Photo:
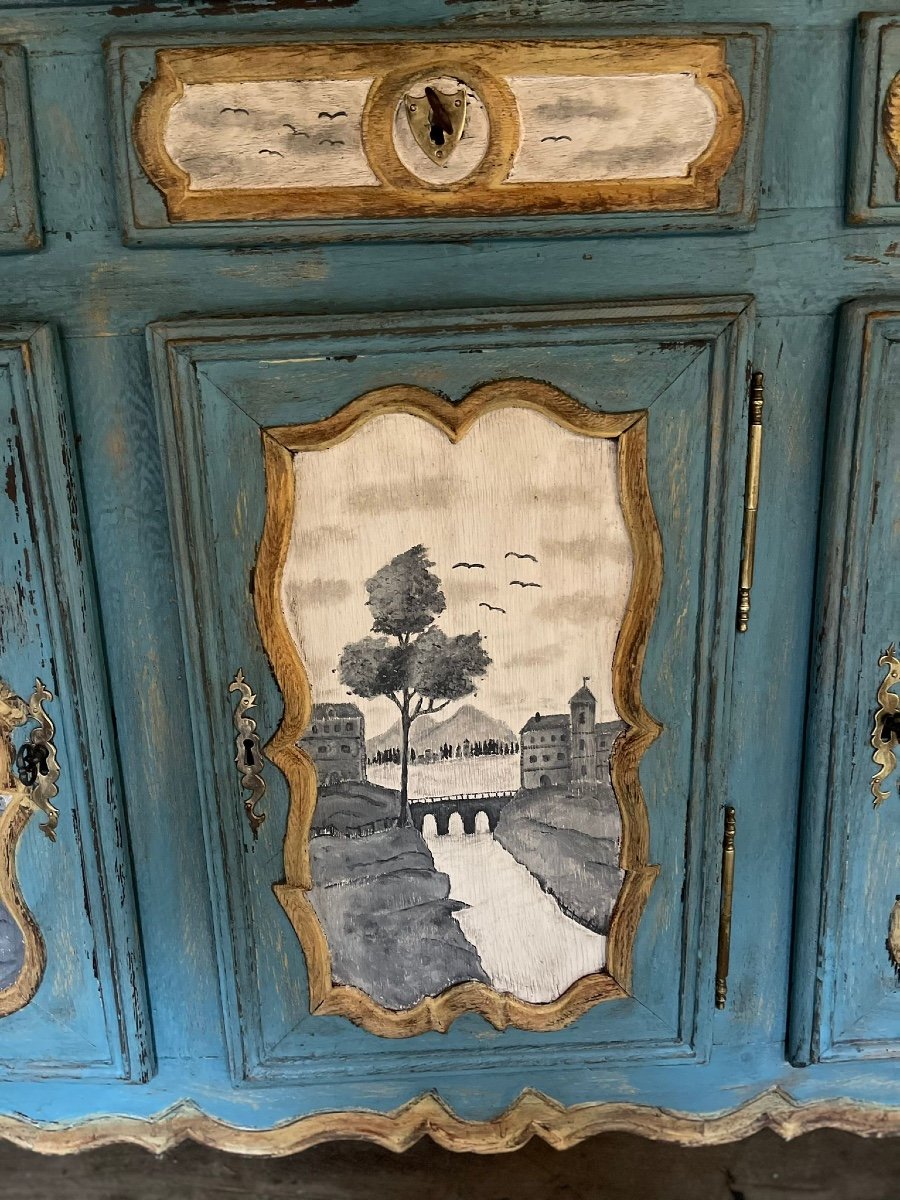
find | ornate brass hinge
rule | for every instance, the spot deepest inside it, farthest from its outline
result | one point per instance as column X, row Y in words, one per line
column 751, row 498
column 725, row 909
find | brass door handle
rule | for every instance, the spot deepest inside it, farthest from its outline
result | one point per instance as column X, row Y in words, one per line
column 248, row 756
column 886, row 732
column 29, row 776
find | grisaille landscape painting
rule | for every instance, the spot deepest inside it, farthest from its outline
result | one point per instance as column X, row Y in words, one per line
column 456, row 609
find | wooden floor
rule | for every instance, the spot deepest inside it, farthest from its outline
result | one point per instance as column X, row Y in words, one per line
column 823, row 1166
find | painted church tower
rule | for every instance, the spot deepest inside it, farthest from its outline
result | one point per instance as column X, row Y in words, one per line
column 583, row 710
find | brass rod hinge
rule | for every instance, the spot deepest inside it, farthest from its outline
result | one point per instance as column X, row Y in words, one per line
column 751, row 498
column 725, row 909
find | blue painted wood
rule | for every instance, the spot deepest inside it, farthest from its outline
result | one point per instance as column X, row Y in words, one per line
column 846, row 1000
column 90, row 1013
column 20, row 224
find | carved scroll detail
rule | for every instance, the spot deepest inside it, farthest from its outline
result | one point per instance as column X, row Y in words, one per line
column 886, row 732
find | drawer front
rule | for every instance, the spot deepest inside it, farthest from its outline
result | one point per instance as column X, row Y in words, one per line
column 71, row 985
column 402, row 544
column 847, row 1004
column 337, row 140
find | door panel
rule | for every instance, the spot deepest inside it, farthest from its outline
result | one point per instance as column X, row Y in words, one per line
column 71, row 988
column 236, row 397
column 846, row 999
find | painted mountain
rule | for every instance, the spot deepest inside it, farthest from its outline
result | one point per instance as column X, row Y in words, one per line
column 467, row 722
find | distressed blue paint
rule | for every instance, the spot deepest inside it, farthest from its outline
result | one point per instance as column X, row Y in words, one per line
column 800, row 263
column 89, row 1015
column 847, row 1003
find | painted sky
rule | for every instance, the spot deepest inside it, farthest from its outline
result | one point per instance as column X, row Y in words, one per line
column 516, row 482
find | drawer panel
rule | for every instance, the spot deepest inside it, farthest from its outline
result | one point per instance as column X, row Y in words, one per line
column 526, row 498
column 449, row 135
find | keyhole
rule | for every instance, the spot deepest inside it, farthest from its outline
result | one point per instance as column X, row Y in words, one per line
column 437, row 135
column 249, row 756
column 32, row 761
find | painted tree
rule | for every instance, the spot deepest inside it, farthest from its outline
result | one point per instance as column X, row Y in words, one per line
column 412, row 662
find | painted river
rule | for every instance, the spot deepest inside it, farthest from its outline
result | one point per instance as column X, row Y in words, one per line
column 526, row 944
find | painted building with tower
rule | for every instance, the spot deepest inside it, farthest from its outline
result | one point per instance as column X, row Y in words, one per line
column 336, row 742
column 561, row 748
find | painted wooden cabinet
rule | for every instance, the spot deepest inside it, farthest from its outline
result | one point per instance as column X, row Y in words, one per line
column 449, row 573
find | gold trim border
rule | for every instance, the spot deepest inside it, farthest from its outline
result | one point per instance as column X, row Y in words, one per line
column 455, row 420
column 532, row 1114
column 12, row 825
column 486, row 193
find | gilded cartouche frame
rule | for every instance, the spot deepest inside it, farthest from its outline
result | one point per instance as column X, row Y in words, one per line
column 484, row 64
column 455, row 420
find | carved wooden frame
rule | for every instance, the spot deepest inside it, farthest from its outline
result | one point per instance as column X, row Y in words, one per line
column 500, row 1009
column 532, row 1114
column 483, row 193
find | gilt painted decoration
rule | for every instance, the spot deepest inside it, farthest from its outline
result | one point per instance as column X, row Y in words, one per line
column 455, row 599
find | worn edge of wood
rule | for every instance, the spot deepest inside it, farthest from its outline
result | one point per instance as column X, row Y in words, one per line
column 454, row 420
column 532, row 1114
column 485, row 192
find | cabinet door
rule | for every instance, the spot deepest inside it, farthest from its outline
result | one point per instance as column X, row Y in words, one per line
column 847, row 1002
column 71, row 985
column 403, row 542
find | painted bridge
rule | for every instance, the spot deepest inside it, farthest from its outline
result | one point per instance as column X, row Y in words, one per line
column 468, row 806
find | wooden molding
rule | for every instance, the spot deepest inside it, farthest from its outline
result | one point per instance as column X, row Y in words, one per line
column 454, row 420
column 531, row 1115
column 487, row 67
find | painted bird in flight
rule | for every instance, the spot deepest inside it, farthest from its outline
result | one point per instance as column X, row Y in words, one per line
column 519, row 583
column 492, row 607
column 470, row 566
column 516, row 554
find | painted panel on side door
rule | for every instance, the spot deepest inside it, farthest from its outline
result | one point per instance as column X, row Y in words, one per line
column 72, row 985
column 845, row 993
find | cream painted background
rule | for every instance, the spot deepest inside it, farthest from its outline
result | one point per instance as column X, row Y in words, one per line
column 516, row 481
